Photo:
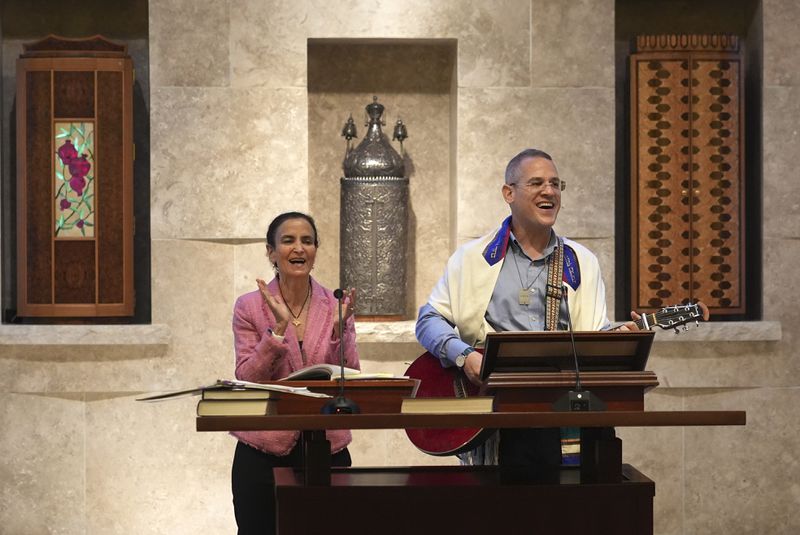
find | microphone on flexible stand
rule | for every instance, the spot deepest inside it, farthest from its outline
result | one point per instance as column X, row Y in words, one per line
column 340, row 404
column 576, row 399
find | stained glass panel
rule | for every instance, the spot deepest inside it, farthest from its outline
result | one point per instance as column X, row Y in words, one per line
column 74, row 169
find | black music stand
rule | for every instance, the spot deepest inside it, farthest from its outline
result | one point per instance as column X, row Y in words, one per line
column 551, row 351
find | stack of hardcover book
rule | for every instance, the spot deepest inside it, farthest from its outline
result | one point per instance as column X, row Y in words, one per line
column 246, row 402
column 237, row 398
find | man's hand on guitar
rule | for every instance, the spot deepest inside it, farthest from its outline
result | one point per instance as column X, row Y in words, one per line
column 472, row 368
column 630, row 325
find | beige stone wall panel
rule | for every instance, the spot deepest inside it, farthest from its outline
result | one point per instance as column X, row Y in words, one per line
column 42, row 464
column 572, row 43
column 189, row 43
column 131, row 489
column 658, row 453
column 226, row 159
column 781, row 140
column 721, row 364
column 743, row 479
column 781, row 53
column 781, row 278
column 574, row 125
column 268, row 39
column 193, row 292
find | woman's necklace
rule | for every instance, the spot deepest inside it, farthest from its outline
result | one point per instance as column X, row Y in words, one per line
column 296, row 321
column 525, row 292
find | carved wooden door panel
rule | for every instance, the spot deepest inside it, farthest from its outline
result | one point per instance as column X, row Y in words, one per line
column 74, row 179
column 687, row 172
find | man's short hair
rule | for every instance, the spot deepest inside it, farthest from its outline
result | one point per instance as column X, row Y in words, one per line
column 512, row 169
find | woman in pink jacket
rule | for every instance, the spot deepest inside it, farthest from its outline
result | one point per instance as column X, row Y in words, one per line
column 287, row 324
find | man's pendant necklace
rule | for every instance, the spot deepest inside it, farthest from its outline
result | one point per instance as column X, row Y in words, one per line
column 525, row 296
column 525, row 292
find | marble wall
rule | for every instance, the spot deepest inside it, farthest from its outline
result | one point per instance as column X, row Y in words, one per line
column 231, row 109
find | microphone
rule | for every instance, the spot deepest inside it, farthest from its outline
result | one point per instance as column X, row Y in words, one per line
column 576, row 399
column 340, row 404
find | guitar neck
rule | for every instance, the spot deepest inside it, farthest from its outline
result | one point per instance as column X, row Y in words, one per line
column 647, row 323
column 651, row 320
column 672, row 317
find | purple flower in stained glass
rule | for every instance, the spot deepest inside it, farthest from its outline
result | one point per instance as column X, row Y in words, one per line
column 77, row 183
column 67, row 152
column 79, row 224
column 79, row 166
column 65, row 204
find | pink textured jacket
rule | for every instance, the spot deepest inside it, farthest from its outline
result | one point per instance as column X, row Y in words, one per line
column 260, row 357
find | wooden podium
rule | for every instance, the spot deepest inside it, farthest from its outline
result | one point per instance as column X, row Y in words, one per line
column 604, row 496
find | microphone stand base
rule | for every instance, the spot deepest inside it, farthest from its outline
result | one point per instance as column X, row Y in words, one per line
column 577, row 401
column 341, row 405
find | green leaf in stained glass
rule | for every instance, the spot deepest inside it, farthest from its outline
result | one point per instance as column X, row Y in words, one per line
column 60, row 222
column 85, row 224
column 83, row 231
column 62, row 134
column 59, row 175
column 80, row 130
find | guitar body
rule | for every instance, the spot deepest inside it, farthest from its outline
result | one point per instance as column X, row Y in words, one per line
column 439, row 382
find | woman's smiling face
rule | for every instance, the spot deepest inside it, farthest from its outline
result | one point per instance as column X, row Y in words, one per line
column 294, row 251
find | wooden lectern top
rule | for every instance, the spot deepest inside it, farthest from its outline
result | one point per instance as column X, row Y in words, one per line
column 495, row 420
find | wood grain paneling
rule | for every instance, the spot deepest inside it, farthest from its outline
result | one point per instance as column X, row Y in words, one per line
column 687, row 178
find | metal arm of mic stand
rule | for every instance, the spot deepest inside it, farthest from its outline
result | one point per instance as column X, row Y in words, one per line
column 340, row 404
column 576, row 399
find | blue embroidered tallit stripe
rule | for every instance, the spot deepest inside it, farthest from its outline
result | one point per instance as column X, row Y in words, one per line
column 572, row 269
column 496, row 250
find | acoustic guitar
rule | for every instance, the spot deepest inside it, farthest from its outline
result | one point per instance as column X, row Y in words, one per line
column 439, row 382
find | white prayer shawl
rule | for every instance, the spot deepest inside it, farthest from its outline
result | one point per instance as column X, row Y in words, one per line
column 463, row 293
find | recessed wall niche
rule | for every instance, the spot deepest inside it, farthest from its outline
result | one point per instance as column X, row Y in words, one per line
column 650, row 17
column 415, row 81
column 127, row 23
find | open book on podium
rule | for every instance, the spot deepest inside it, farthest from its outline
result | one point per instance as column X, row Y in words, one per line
column 333, row 372
column 530, row 371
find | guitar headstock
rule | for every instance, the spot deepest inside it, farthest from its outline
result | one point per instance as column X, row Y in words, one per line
column 672, row 317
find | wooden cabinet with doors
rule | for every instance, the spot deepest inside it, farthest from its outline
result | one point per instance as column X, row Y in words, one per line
column 687, row 172
column 74, row 179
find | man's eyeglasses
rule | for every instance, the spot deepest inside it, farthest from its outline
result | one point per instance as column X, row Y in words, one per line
column 537, row 184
